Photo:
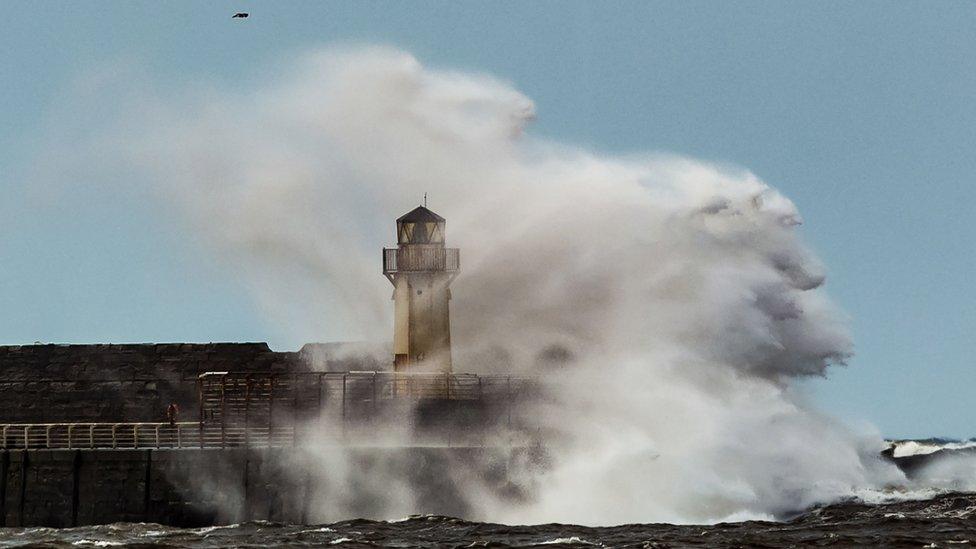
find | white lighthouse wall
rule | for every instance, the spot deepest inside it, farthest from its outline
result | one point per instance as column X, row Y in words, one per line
column 429, row 324
column 401, row 316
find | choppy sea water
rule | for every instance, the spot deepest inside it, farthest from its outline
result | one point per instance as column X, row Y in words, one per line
column 948, row 520
column 929, row 520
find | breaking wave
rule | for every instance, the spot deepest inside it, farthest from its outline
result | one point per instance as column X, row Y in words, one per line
column 670, row 303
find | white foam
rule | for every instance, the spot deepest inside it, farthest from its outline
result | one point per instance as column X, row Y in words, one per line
column 208, row 529
column 872, row 496
column 907, row 448
column 410, row 517
column 573, row 540
column 315, row 530
column 742, row 516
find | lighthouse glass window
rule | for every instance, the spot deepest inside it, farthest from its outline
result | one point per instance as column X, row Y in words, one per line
column 421, row 233
column 406, row 232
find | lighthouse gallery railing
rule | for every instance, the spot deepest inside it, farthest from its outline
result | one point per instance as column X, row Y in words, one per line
column 421, row 259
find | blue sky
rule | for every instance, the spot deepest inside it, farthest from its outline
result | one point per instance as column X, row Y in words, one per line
column 863, row 113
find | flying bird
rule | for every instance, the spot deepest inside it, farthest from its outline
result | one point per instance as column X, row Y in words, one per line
column 240, row 15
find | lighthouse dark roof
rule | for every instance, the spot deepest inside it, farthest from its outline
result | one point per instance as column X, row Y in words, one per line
column 420, row 214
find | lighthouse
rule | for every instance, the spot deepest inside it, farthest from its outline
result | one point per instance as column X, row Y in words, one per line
column 421, row 269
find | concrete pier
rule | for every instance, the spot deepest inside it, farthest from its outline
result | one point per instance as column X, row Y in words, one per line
column 293, row 437
column 202, row 487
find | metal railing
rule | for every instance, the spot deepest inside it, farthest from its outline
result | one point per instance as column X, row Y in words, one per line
column 288, row 387
column 133, row 436
column 421, row 259
column 267, row 409
column 191, row 436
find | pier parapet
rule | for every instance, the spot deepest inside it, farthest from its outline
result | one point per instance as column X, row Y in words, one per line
column 275, row 409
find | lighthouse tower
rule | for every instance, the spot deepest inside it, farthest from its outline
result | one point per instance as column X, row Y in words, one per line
column 421, row 270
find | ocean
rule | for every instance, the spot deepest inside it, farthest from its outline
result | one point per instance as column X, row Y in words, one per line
column 946, row 520
column 919, row 519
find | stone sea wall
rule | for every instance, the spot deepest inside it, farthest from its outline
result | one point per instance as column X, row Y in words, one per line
column 136, row 382
column 202, row 487
column 62, row 488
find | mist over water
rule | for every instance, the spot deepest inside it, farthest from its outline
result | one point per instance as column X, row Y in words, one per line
column 669, row 301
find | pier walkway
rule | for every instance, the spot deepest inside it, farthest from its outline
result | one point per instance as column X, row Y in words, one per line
column 273, row 410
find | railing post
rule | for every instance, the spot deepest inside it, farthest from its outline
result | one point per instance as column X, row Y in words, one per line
column 223, row 410
column 319, row 403
column 179, row 435
column 26, row 437
column 508, row 400
column 91, row 435
column 5, row 427
column 271, row 399
column 343, row 431
column 294, row 384
column 47, row 436
column 247, row 410
column 200, row 382
column 157, row 436
column 115, row 439
column 296, row 404
column 135, row 435
column 71, row 428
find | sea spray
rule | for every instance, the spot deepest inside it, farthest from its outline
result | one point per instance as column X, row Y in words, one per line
column 668, row 302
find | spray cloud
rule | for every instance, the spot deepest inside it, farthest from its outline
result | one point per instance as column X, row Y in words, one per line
column 670, row 301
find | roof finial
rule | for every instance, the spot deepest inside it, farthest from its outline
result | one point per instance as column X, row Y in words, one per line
column 425, row 200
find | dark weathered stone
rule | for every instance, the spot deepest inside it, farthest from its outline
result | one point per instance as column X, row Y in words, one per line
column 192, row 487
column 203, row 487
column 136, row 382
